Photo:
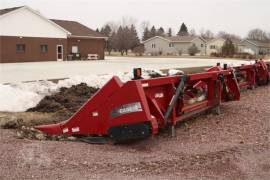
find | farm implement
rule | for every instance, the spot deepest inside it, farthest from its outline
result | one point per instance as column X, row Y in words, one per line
column 140, row 108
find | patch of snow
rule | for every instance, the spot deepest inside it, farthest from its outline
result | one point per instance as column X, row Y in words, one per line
column 173, row 72
column 147, row 73
column 22, row 96
column 16, row 100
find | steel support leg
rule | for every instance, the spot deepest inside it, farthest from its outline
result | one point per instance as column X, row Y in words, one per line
column 173, row 132
column 217, row 110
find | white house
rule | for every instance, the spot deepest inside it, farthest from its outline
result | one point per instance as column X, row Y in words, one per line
column 255, row 47
column 174, row 45
column 215, row 45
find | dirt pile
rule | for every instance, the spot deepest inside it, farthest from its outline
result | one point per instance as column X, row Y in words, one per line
column 66, row 101
column 51, row 109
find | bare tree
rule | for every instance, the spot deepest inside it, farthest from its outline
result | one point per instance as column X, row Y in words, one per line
column 127, row 21
column 206, row 34
column 192, row 32
column 257, row 34
column 226, row 35
column 144, row 25
column 113, row 25
column 125, row 38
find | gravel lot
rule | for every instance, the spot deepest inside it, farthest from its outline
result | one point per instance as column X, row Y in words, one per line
column 18, row 72
column 233, row 145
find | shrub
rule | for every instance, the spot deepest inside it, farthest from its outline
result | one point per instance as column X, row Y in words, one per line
column 139, row 50
column 193, row 50
column 215, row 54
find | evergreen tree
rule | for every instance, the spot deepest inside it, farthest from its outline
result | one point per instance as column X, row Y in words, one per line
column 153, row 32
column 133, row 38
column 106, row 30
column 146, row 34
column 183, row 30
column 169, row 33
column 97, row 30
column 119, row 40
column 228, row 48
column 109, row 43
column 160, row 32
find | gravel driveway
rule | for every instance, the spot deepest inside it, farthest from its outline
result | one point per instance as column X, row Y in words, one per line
column 233, row 145
column 18, row 72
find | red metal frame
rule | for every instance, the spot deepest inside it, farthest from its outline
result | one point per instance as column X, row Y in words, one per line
column 254, row 74
column 146, row 101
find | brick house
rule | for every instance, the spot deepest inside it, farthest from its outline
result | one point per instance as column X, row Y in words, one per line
column 28, row 36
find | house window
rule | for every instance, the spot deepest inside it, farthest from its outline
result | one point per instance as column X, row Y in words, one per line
column 212, row 47
column 153, row 45
column 43, row 48
column 74, row 49
column 171, row 45
column 20, row 48
column 201, row 45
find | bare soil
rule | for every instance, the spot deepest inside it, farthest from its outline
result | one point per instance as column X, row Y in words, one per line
column 233, row 145
column 67, row 100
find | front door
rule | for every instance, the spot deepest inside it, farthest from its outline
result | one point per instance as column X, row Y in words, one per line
column 59, row 52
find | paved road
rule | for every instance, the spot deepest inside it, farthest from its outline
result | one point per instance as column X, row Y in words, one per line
column 18, row 72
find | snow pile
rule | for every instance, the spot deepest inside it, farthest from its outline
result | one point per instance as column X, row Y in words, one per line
column 15, row 99
column 234, row 64
column 22, row 96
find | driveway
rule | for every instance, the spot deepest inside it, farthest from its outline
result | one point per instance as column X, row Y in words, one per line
column 19, row 72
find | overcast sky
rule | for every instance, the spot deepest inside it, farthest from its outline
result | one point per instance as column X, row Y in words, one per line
column 234, row 16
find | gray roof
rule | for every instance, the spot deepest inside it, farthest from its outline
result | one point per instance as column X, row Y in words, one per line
column 259, row 43
column 176, row 38
column 181, row 38
column 236, row 41
column 4, row 11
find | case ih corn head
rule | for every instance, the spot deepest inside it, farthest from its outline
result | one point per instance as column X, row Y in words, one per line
column 142, row 107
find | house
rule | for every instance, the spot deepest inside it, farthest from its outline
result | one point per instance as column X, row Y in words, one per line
column 26, row 35
column 255, row 47
column 215, row 45
column 174, row 45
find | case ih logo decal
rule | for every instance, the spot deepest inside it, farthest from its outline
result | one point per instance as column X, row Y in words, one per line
column 126, row 108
